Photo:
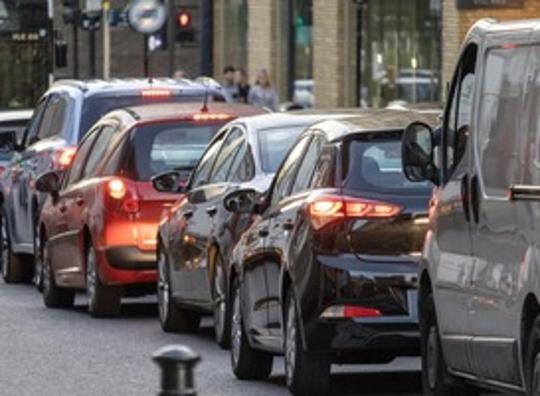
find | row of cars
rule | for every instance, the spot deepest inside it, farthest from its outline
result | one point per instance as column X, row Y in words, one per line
column 297, row 231
column 329, row 237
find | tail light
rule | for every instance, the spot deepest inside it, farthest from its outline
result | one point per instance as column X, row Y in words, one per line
column 156, row 93
column 63, row 157
column 325, row 209
column 211, row 116
column 121, row 195
column 350, row 312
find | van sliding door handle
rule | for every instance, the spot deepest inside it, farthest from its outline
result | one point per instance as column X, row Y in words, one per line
column 524, row 193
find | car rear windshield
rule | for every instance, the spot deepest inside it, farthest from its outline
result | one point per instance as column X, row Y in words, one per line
column 274, row 143
column 372, row 162
column 97, row 106
column 162, row 147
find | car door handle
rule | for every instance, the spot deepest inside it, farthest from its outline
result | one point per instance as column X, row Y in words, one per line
column 263, row 232
column 475, row 198
column 524, row 193
column 187, row 214
column 465, row 197
column 212, row 210
column 288, row 225
column 79, row 201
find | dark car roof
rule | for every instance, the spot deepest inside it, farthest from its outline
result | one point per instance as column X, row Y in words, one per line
column 178, row 111
column 373, row 121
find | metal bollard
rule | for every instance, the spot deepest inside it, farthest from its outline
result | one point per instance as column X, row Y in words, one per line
column 176, row 363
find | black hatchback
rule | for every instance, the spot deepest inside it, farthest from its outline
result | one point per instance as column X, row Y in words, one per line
column 327, row 273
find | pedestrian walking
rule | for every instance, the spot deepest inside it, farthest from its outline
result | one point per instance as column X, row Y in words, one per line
column 263, row 93
column 241, row 80
column 229, row 86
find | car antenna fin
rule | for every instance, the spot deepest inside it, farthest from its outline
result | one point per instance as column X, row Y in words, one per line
column 204, row 108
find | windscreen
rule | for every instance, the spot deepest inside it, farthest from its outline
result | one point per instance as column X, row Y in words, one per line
column 372, row 162
column 97, row 106
column 6, row 151
column 274, row 143
column 162, row 147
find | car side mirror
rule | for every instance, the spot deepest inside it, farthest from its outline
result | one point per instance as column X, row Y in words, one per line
column 418, row 151
column 243, row 201
column 170, row 182
column 50, row 182
column 8, row 141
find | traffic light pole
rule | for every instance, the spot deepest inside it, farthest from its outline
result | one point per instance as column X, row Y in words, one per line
column 106, row 40
column 171, row 32
column 50, row 39
column 207, row 32
column 75, row 28
column 92, row 52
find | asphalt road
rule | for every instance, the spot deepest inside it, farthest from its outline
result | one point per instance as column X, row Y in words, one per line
column 65, row 352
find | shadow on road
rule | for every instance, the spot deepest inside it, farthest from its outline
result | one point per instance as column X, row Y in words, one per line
column 370, row 384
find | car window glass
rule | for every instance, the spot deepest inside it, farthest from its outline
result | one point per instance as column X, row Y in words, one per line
column 79, row 160
column 306, row 168
column 201, row 173
column 231, row 146
column 499, row 123
column 274, row 143
column 99, row 150
column 287, row 171
column 456, row 131
column 33, row 125
column 325, row 169
column 243, row 169
column 53, row 118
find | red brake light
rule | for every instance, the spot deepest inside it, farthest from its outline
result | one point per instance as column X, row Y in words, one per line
column 350, row 312
column 211, row 116
column 325, row 209
column 120, row 196
column 156, row 93
column 64, row 156
column 117, row 189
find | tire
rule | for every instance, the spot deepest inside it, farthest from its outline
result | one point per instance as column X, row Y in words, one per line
column 222, row 311
column 172, row 318
column 14, row 268
column 436, row 380
column 532, row 365
column 306, row 374
column 103, row 301
column 54, row 296
column 247, row 363
column 37, row 278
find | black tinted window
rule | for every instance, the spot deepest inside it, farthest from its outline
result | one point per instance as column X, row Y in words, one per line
column 243, row 168
column 53, row 118
column 232, row 145
column 309, row 160
column 97, row 106
column 99, row 150
column 324, row 175
column 374, row 164
column 162, row 147
column 75, row 171
column 274, row 144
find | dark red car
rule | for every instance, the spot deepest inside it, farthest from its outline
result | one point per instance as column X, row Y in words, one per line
column 98, row 227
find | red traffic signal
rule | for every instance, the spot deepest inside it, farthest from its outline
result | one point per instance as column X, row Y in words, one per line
column 183, row 20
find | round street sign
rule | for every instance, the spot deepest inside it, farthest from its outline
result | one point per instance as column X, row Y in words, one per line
column 147, row 16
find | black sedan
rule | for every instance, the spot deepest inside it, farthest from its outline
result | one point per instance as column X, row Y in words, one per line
column 197, row 236
column 327, row 273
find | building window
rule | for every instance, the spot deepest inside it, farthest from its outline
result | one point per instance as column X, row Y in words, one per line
column 401, row 52
column 301, row 52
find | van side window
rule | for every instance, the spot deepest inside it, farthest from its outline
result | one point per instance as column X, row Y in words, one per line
column 499, row 124
column 458, row 116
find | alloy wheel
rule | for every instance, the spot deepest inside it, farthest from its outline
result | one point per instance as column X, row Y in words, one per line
column 432, row 357
column 163, row 287
column 236, row 327
column 290, row 344
column 219, row 299
column 38, row 261
column 91, row 276
column 4, row 244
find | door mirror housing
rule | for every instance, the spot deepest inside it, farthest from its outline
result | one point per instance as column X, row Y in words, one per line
column 171, row 182
column 418, row 152
column 245, row 201
column 50, row 182
column 8, row 141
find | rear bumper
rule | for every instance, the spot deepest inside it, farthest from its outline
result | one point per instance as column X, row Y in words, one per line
column 390, row 287
column 124, row 265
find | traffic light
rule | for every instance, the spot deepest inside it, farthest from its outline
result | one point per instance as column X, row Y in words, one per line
column 184, row 27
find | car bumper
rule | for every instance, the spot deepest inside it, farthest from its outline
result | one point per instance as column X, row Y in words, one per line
column 127, row 265
column 345, row 280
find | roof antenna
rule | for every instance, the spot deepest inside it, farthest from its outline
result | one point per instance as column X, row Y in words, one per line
column 204, row 108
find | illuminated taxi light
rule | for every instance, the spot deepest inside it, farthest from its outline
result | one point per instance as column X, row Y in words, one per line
column 156, row 93
column 210, row 116
column 117, row 189
column 350, row 312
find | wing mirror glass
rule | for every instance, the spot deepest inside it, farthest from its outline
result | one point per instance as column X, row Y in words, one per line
column 50, row 182
column 172, row 182
column 418, row 150
column 244, row 201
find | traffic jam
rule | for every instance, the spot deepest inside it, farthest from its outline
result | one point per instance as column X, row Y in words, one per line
column 316, row 237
